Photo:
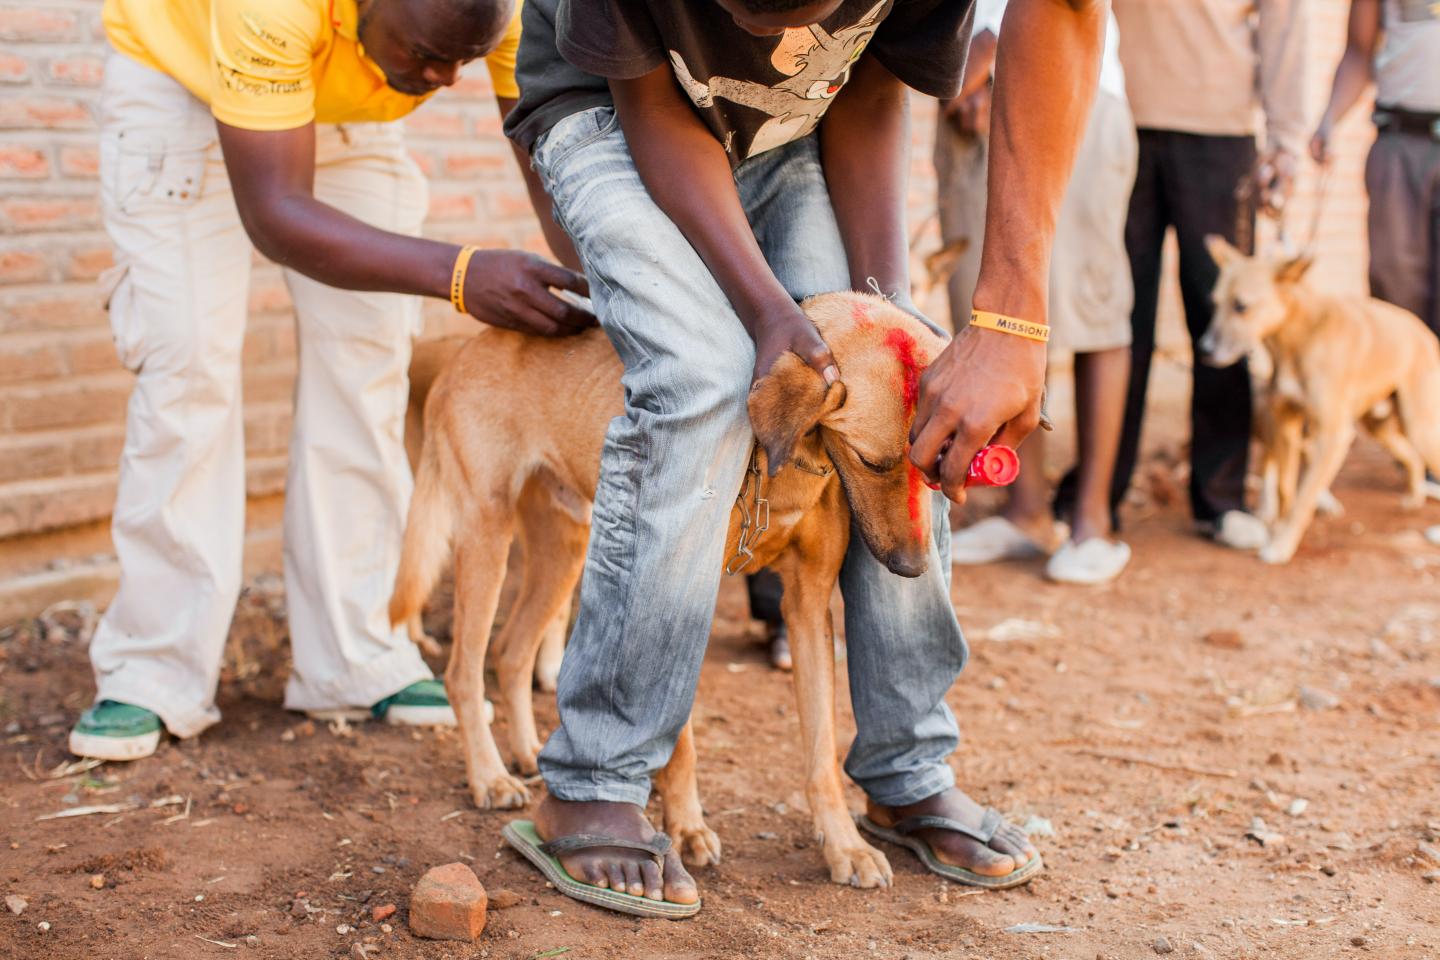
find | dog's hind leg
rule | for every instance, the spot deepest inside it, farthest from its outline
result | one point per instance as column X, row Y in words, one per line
column 1390, row 435
column 479, row 572
column 1419, row 398
column 1289, row 451
column 679, row 791
column 554, row 554
column 806, row 606
column 1332, row 442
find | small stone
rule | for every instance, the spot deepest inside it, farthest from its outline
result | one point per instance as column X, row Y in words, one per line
column 1224, row 639
column 1429, row 852
column 767, row 836
column 240, row 809
column 1432, row 877
column 358, row 952
column 1297, row 806
column 1358, row 941
column 448, row 903
column 386, row 928
column 503, row 899
column 16, row 904
column 97, row 881
column 1329, row 870
column 1162, row 945
column 1036, row 826
column 300, row 908
column 343, row 929
column 252, row 941
column 383, row 912
column 1313, row 698
column 43, row 926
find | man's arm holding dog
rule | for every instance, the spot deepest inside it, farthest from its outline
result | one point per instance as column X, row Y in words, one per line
column 988, row 385
column 686, row 172
column 272, row 173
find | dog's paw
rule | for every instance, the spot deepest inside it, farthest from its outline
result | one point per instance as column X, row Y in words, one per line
column 1329, row 506
column 855, row 863
column 1413, row 501
column 698, row 845
column 527, row 759
column 500, row 793
column 546, row 677
column 1277, row 552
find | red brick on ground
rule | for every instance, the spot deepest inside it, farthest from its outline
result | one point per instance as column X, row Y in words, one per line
column 448, row 904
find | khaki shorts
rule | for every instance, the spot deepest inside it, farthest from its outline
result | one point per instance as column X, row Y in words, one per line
column 1091, row 293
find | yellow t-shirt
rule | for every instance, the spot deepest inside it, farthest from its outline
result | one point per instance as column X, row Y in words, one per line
column 274, row 64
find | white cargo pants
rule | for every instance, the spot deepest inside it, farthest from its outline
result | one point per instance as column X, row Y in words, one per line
column 178, row 315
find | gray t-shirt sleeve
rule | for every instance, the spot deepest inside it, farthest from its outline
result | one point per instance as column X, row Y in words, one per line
column 616, row 39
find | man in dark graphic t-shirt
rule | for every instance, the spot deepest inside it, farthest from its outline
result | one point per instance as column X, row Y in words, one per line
column 715, row 161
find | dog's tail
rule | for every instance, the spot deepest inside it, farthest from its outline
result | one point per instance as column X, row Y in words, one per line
column 1419, row 400
column 428, row 530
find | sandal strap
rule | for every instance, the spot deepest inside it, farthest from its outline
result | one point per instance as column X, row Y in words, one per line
column 657, row 846
column 989, row 825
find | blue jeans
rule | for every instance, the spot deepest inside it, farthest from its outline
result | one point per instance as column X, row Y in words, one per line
column 671, row 467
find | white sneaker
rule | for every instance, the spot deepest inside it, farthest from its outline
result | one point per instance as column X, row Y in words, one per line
column 991, row 540
column 1240, row 531
column 1095, row 561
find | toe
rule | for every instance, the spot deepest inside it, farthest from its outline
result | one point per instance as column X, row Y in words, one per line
column 679, row 886
column 591, row 873
column 633, row 885
column 654, row 884
column 615, row 871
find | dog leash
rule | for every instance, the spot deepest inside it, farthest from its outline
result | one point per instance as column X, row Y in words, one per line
column 1244, row 203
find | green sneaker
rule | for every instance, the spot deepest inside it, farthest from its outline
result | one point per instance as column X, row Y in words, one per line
column 422, row 704
column 112, row 730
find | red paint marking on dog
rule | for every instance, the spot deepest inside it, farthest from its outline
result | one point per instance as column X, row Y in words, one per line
column 860, row 313
column 906, row 350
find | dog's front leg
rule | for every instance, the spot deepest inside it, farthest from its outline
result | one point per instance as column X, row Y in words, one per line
column 1332, row 442
column 806, row 606
column 679, row 790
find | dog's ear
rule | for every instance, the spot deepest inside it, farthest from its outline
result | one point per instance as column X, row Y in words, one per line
column 1290, row 271
column 1221, row 250
column 786, row 404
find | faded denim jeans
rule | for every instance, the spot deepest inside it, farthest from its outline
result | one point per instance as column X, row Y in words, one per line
column 671, row 467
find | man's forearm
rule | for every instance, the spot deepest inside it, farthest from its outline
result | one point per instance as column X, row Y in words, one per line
column 864, row 148
column 688, row 176
column 1047, row 67
column 1357, row 66
column 338, row 250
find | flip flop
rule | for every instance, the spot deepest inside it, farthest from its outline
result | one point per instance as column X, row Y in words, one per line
column 521, row 835
column 902, row 835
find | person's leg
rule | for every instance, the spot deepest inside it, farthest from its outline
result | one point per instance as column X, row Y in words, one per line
column 178, row 314
column 764, row 591
column 1402, row 245
column 1203, row 197
column 1091, row 301
column 905, row 648
column 670, row 468
column 1146, row 220
column 349, row 480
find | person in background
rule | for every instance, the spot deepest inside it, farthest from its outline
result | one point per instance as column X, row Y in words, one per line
column 228, row 123
column 764, row 590
column 1090, row 294
column 1199, row 73
column 1395, row 44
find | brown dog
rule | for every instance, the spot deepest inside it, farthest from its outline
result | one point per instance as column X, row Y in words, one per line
column 507, row 454
column 1336, row 360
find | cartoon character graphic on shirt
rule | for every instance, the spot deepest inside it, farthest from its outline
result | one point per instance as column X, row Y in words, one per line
column 816, row 63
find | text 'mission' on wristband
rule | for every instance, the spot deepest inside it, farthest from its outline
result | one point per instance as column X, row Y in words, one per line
column 1011, row 325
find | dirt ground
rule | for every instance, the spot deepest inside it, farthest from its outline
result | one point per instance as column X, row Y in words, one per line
column 1240, row 760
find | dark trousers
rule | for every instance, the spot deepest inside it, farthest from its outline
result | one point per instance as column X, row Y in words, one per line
column 1186, row 181
column 1402, row 177
column 765, row 590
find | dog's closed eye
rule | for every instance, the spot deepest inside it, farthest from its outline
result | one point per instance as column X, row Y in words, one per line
column 1238, row 306
column 875, row 467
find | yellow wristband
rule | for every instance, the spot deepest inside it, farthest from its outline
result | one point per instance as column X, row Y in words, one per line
column 1015, row 327
column 457, row 277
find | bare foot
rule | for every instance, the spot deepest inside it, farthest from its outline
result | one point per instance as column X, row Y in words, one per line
column 1007, row 851
column 614, row 868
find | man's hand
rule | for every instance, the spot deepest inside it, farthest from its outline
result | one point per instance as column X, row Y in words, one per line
column 985, row 387
column 790, row 331
column 1274, row 180
column 512, row 289
column 1320, row 142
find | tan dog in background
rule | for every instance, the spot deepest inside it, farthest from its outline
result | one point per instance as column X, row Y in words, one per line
column 1337, row 360
column 506, row 454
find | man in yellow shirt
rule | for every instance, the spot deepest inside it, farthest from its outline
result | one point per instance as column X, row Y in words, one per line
column 228, row 123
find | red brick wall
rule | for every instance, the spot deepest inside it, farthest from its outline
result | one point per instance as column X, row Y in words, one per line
column 62, row 393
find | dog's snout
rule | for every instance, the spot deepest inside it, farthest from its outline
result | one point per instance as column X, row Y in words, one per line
column 904, row 563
